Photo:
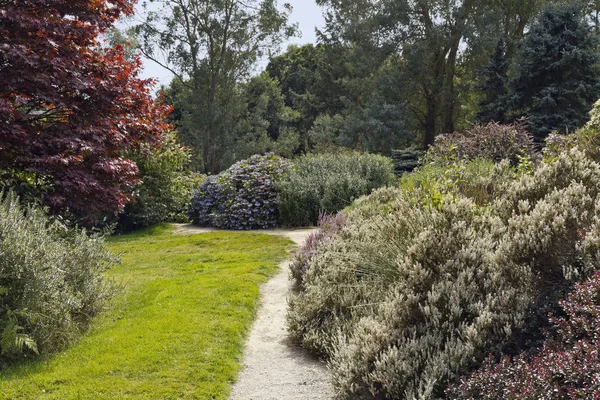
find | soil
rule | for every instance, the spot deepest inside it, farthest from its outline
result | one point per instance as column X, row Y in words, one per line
column 273, row 367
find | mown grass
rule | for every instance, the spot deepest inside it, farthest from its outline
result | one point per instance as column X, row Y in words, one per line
column 176, row 329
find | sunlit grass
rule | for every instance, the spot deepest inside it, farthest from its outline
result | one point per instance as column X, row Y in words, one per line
column 177, row 328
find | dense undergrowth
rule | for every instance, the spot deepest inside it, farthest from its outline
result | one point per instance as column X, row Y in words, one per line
column 416, row 286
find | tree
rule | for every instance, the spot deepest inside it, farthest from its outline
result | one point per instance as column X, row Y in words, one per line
column 557, row 78
column 69, row 110
column 438, row 42
column 309, row 77
column 210, row 46
column 494, row 86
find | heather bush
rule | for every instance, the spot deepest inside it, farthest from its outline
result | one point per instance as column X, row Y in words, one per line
column 329, row 225
column 242, row 197
column 51, row 281
column 327, row 183
column 493, row 141
column 566, row 367
column 166, row 186
column 412, row 293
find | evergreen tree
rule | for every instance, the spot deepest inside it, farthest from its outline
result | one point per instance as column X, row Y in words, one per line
column 494, row 89
column 556, row 74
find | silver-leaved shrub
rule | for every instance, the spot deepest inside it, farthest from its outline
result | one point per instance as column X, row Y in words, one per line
column 51, row 280
column 421, row 285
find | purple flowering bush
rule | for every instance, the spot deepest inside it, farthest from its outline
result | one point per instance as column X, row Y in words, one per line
column 329, row 225
column 242, row 197
column 566, row 367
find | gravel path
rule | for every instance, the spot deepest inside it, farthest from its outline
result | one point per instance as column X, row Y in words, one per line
column 273, row 367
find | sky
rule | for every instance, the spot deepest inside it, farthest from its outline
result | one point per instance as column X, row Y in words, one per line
column 305, row 12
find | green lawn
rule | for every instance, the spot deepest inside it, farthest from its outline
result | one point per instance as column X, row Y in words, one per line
column 177, row 328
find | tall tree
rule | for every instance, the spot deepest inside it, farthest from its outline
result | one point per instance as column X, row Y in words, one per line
column 494, row 86
column 210, row 46
column 557, row 78
column 437, row 40
column 70, row 110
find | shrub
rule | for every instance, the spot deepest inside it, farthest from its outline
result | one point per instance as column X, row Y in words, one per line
column 566, row 367
column 327, row 183
column 329, row 225
column 166, row 188
column 51, row 281
column 412, row 293
column 242, row 197
column 586, row 139
column 493, row 141
column 406, row 160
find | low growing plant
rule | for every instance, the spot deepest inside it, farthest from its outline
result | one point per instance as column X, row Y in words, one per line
column 566, row 367
column 329, row 225
column 410, row 294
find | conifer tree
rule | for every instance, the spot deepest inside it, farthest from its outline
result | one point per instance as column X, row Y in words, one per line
column 494, row 89
column 556, row 74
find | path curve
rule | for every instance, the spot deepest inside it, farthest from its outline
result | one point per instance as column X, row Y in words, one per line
column 273, row 367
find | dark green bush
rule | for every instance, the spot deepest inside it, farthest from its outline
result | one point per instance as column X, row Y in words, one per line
column 327, row 183
column 166, row 186
column 51, row 281
column 417, row 288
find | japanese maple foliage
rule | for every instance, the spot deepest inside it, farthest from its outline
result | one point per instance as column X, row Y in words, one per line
column 70, row 110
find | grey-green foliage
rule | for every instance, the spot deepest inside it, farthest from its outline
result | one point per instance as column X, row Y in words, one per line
column 51, row 280
column 327, row 183
column 420, row 286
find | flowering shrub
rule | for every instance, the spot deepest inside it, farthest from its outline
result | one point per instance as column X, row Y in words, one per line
column 329, row 225
column 493, row 141
column 242, row 197
column 566, row 367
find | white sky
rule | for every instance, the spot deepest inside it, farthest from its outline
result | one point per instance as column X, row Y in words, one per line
column 305, row 12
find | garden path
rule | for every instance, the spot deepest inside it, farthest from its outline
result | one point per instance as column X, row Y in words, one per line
column 273, row 367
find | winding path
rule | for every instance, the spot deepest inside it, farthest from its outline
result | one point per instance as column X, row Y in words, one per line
column 273, row 367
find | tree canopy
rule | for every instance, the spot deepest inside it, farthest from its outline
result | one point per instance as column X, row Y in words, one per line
column 210, row 46
column 70, row 107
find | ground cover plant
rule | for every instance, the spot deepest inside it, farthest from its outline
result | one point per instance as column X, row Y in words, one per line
column 566, row 367
column 463, row 260
column 176, row 329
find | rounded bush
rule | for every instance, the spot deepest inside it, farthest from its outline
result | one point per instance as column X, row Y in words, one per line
column 493, row 141
column 327, row 183
column 242, row 197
